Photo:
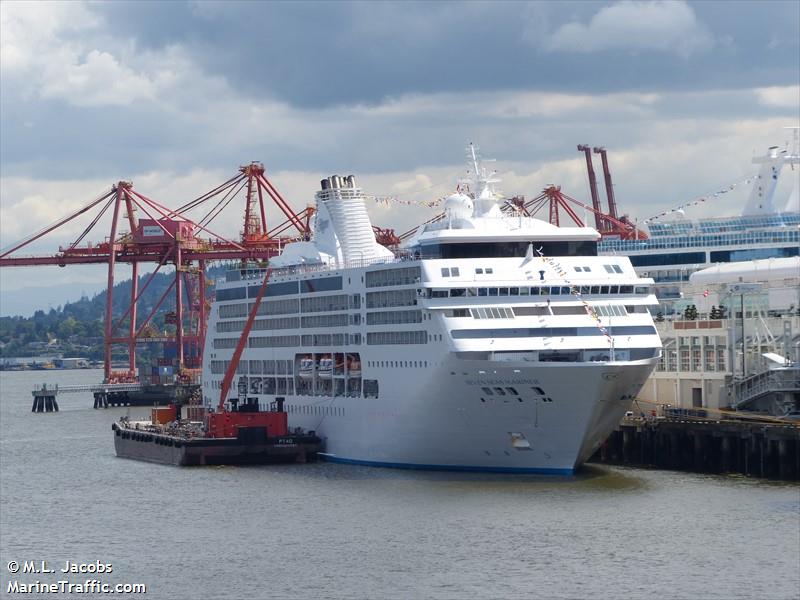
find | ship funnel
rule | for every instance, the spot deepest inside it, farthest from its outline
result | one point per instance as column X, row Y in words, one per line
column 325, row 184
column 351, row 181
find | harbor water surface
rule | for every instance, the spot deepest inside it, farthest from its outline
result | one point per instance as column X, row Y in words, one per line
column 338, row 531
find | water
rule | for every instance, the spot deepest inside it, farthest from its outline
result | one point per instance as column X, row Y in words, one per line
column 339, row 531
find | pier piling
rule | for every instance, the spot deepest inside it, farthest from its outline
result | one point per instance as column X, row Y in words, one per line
column 44, row 400
column 758, row 449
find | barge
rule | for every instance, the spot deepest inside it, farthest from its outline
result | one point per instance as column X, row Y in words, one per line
column 243, row 435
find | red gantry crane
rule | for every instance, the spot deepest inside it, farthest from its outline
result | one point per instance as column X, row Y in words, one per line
column 159, row 235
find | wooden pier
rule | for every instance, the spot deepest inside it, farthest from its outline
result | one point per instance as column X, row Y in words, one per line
column 768, row 449
column 113, row 394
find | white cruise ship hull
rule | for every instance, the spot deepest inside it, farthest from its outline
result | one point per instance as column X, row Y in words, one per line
column 443, row 419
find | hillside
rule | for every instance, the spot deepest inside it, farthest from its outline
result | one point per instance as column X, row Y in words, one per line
column 76, row 328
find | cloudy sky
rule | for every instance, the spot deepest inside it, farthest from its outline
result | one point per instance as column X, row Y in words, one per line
column 175, row 95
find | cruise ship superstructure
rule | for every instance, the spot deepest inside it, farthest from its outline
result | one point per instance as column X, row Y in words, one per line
column 678, row 246
column 488, row 342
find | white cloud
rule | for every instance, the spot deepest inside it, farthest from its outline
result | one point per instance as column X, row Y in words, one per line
column 30, row 31
column 659, row 26
column 99, row 80
column 51, row 50
column 780, row 96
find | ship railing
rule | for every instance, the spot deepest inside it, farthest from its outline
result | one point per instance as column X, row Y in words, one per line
column 399, row 257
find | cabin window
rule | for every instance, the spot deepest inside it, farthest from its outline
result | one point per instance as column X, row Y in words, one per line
column 445, row 272
column 371, row 388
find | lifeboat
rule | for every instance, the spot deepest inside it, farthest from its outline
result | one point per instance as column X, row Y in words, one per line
column 306, row 369
column 325, row 367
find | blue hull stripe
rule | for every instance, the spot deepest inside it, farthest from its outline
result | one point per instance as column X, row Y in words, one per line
column 419, row 467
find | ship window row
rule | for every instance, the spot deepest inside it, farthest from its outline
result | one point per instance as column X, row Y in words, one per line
column 561, row 290
column 753, row 254
column 268, row 307
column 725, row 224
column 391, row 298
column 277, row 307
column 387, row 277
column 337, row 320
column 331, row 339
column 381, row 338
column 394, row 317
column 282, row 288
column 612, row 268
column 525, row 332
column 507, row 249
column 275, row 341
column 324, row 303
column 536, row 311
column 229, row 326
column 259, row 324
column 271, row 367
column 744, row 238
column 492, row 313
column 270, row 385
column 450, row 272
column 225, row 343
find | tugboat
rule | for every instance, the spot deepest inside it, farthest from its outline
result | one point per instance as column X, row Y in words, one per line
column 238, row 432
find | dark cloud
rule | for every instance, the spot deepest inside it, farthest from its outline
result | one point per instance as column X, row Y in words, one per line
column 321, row 54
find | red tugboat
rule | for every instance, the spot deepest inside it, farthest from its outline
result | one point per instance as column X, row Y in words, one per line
column 237, row 433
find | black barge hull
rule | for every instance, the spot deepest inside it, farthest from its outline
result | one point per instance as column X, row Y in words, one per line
column 252, row 447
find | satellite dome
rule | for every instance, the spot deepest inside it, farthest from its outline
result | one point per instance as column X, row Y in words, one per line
column 458, row 206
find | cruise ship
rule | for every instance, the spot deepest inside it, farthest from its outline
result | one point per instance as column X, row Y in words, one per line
column 729, row 292
column 487, row 343
column 678, row 246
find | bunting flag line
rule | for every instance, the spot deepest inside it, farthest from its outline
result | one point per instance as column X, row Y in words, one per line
column 575, row 291
column 387, row 200
column 702, row 199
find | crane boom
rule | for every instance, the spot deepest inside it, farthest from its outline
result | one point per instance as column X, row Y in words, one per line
column 237, row 353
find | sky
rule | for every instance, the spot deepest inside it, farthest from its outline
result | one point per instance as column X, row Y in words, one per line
column 174, row 96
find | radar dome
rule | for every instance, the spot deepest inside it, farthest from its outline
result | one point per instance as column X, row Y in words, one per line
column 458, row 206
